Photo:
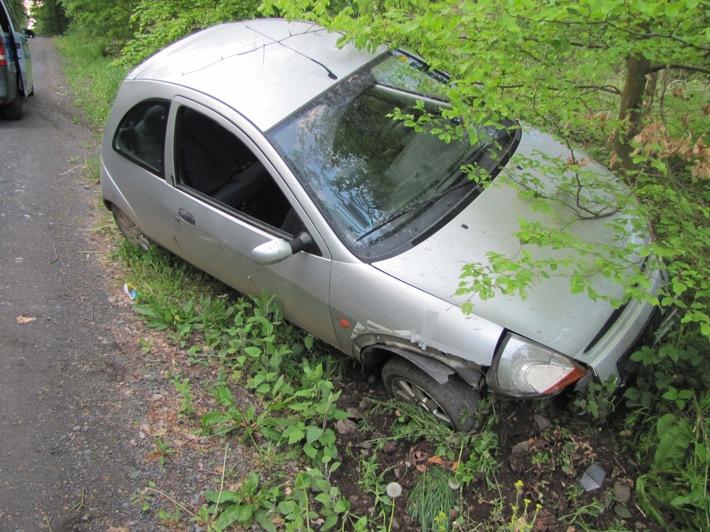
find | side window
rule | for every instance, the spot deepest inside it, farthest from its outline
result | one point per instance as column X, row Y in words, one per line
column 215, row 163
column 141, row 135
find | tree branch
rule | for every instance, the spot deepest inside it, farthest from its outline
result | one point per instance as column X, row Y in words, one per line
column 604, row 88
column 679, row 66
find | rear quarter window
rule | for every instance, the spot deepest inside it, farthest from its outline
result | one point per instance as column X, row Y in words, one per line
column 140, row 136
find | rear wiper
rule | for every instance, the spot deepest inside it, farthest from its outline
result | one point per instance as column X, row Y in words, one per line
column 423, row 203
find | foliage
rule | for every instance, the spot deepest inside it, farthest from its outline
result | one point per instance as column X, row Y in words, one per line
column 628, row 81
column 93, row 77
column 598, row 399
column 18, row 13
column 243, row 343
column 297, row 404
column 135, row 28
column 671, row 401
column 161, row 22
column 108, row 22
column 518, row 47
column 49, row 17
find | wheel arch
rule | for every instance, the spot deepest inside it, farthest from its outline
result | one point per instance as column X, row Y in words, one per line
column 438, row 366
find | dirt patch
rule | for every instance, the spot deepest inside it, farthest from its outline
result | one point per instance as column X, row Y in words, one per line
column 542, row 449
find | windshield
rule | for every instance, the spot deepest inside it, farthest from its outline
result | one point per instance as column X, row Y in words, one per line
column 380, row 183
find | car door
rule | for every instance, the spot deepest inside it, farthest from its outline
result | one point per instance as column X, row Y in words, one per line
column 135, row 155
column 227, row 199
column 8, row 68
column 19, row 47
column 24, row 58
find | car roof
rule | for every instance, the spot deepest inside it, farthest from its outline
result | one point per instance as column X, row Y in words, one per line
column 265, row 69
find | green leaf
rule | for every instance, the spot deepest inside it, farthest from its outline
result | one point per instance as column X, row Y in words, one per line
column 310, row 451
column 341, row 506
column 228, row 517
column 264, row 520
column 302, row 481
column 313, row 434
column 675, row 438
column 222, row 496
column 245, row 513
column 323, row 498
column 622, row 511
column 294, row 433
column 253, row 351
column 330, row 521
column 251, row 483
column 223, row 395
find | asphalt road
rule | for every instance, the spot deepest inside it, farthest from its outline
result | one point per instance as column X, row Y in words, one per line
column 66, row 462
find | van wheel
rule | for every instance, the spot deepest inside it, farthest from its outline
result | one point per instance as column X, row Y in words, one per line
column 13, row 111
column 453, row 403
column 130, row 230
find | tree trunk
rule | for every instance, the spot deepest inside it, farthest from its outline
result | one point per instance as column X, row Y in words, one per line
column 631, row 110
column 650, row 96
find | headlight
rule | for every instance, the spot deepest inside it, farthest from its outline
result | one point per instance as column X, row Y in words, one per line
column 523, row 368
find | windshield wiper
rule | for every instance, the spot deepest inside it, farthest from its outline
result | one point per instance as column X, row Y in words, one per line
column 477, row 153
column 420, row 204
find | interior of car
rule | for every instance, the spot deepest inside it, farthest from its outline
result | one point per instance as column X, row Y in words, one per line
column 215, row 163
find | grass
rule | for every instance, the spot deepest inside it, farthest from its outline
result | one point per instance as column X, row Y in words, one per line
column 432, row 499
column 94, row 78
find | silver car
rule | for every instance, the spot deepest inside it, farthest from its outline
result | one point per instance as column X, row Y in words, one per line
column 262, row 153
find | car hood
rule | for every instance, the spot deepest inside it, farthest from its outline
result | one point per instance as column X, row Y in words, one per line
column 550, row 314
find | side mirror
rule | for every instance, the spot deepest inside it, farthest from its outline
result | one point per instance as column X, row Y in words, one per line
column 279, row 249
column 271, row 252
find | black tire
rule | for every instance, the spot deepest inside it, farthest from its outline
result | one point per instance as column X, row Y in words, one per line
column 13, row 111
column 130, row 230
column 454, row 403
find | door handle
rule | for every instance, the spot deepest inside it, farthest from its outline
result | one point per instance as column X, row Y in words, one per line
column 187, row 216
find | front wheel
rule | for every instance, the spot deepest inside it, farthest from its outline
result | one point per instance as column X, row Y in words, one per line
column 129, row 230
column 453, row 403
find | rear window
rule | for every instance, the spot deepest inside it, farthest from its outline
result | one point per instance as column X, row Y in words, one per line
column 140, row 136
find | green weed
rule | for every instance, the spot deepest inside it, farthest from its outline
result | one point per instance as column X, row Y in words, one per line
column 598, row 399
column 252, row 504
column 170, row 518
column 431, row 497
column 372, row 482
column 187, row 398
column 670, row 402
column 162, row 449
column 481, row 461
column 522, row 520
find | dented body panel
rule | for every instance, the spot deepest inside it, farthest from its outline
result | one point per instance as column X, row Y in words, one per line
column 405, row 316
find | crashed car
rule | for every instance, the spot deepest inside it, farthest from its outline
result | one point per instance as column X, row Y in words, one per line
column 263, row 153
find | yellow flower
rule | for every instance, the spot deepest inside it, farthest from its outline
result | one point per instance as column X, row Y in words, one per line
column 519, row 485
